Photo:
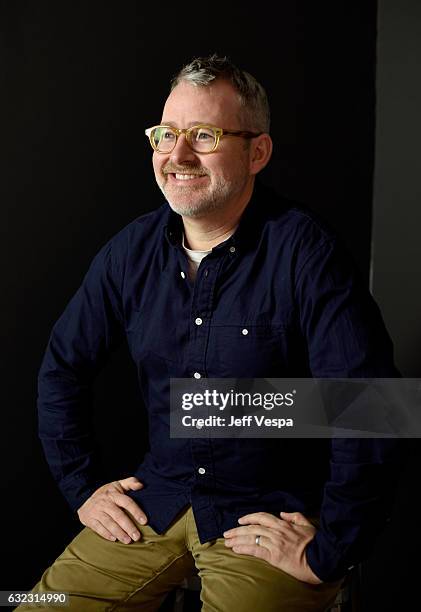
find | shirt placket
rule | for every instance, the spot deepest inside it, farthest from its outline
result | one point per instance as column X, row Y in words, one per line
column 201, row 311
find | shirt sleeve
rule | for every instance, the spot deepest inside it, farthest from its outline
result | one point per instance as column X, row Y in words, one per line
column 90, row 327
column 346, row 337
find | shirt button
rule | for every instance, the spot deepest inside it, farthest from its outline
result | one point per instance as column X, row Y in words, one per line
column 201, row 471
column 198, row 321
column 182, row 275
column 232, row 249
column 244, row 331
column 197, row 375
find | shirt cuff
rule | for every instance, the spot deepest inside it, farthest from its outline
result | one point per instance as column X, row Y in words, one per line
column 78, row 490
column 325, row 560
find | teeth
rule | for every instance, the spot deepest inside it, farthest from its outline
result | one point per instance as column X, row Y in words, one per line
column 185, row 177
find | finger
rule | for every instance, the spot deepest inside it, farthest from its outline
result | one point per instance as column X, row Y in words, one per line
column 99, row 528
column 113, row 525
column 109, row 488
column 123, row 501
column 249, row 531
column 260, row 518
column 131, row 484
column 124, row 522
column 256, row 551
column 296, row 518
column 250, row 540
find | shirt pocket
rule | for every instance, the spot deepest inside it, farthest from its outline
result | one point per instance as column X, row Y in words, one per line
column 245, row 351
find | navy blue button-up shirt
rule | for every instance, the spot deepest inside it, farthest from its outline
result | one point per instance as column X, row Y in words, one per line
column 284, row 277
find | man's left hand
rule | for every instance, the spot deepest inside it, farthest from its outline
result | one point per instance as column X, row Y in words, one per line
column 282, row 541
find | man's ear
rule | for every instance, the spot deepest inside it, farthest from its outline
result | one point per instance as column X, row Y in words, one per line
column 260, row 152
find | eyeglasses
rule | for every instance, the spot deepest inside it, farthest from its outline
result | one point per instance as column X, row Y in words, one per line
column 201, row 138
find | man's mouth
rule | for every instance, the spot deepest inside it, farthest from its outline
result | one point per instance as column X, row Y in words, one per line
column 185, row 177
column 180, row 176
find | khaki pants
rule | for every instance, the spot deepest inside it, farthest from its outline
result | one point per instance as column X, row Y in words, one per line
column 109, row 576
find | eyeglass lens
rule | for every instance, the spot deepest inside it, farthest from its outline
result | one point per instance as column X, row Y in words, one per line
column 201, row 139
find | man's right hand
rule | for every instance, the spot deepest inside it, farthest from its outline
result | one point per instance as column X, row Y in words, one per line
column 105, row 512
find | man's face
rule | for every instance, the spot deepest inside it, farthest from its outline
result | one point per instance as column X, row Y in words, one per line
column 195, row 183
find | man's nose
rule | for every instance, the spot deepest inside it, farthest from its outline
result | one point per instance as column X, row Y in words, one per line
column 182, row 152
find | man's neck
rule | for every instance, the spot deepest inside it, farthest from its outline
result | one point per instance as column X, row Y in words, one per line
column 205, row 233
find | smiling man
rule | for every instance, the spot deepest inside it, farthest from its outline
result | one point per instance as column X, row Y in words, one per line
column 225, row 279
column 209, row 191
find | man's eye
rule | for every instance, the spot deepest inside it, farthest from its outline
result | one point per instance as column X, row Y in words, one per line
column 202, row 135
column 168, row 135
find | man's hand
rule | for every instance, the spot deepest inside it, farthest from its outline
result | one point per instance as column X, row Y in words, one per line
column 105, row 512
column 282, row 541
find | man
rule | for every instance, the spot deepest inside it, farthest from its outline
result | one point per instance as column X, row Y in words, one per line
column 225, row 279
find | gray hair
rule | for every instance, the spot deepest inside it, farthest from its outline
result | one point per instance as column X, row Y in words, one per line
column 203, row 70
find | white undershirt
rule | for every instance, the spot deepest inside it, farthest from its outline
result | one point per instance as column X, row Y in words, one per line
column 194, row 257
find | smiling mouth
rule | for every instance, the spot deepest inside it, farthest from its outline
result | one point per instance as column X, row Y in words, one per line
column 185, row 177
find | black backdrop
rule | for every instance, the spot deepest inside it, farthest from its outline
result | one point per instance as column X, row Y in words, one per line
column 81, row 81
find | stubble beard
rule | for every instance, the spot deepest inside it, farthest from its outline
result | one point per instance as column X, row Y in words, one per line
column 199, row 201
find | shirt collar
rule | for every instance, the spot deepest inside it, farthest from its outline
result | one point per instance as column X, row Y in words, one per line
column 249, row 228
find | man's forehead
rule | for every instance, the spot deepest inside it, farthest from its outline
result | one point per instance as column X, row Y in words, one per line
column 188, row 124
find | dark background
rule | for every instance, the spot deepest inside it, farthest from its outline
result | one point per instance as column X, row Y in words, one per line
column 80, row 82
